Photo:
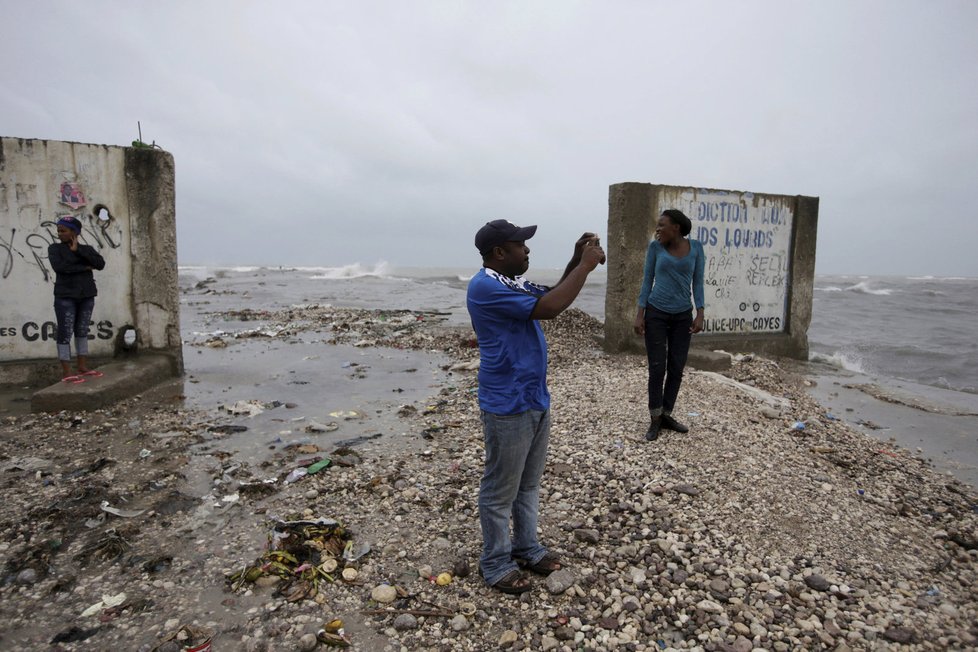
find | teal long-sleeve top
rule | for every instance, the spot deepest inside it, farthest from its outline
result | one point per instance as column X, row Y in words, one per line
column 667, row 280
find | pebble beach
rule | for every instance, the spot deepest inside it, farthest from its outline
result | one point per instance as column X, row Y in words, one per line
column 771, row 525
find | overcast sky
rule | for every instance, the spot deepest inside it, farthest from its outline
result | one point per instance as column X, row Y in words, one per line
column 328, row 133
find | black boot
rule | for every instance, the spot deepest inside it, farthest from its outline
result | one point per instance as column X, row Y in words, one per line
column 653, row 432
column 671, row 424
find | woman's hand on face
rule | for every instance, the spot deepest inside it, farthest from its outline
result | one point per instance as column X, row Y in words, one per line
column 73, row 243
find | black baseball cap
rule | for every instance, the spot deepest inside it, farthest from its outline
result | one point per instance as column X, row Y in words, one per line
column 498, row 232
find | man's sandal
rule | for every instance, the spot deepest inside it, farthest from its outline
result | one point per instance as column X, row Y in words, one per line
column 94, row 373
column 73, row 380
column 549, row 563
column 514, row 583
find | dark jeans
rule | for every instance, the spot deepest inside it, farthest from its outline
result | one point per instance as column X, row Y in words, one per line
column 73, row 318
column 667, row 346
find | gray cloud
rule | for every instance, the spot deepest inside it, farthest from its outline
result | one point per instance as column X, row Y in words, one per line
column 325, row 133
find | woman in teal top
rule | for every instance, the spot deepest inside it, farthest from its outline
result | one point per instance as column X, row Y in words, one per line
column 671, row 286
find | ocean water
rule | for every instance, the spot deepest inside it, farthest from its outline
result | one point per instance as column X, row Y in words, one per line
column 916, row 329
column 910, row 336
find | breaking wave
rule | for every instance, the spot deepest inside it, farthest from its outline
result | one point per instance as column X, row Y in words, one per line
column 839, row 359
column 356, row 270
column 864, row 288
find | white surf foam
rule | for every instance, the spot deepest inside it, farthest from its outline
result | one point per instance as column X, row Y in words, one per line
column 864, row 288
column 840, row 359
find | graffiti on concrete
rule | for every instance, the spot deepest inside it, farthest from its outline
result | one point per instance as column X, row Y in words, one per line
column 29, row 249
column 747, row 241
column 34, row 331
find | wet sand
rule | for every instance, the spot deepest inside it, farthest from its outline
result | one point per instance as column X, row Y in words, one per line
column 940, row 425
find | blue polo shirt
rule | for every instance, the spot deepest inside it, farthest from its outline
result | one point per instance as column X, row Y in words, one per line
column 512, row 349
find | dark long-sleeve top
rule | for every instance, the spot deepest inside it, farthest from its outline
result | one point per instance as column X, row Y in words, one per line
column 74, row 270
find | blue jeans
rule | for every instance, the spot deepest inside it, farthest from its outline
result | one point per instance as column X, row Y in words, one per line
column 516, row 453
column 73, row 318
column 667, row 340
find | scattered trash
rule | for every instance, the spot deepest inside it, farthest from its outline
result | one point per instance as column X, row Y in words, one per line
column 356, row 441
column 322, row 427
column 333, row 634
column 347, row 414
column 258, row 489
column 189, row 638
column 124, row 513
column 692, row 414
column 110, row 546
column 861, row 492
column 933, row 591
column 303, row 552
column 318, row 466
column 798, row 425
column 349, row 554
column 106, row 602
column 249, row 408
column 831, row 417
column 295, row 475
column 228, row 429
column 143, row 454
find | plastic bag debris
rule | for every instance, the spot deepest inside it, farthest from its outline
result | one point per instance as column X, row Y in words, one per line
column 315, row 426
column 250, row 408
column 346, row 414
column 351, row 553
column 106, row 602
column 295, row 475
column 124, row 513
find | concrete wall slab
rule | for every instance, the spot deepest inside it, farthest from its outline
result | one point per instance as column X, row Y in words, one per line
column 760, row 251
column 124, row 198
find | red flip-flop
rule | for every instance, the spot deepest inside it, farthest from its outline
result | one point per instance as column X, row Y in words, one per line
column 74, row 380
column 94, row 373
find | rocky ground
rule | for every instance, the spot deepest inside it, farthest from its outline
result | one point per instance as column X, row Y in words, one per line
column 771, row 525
